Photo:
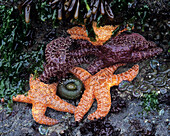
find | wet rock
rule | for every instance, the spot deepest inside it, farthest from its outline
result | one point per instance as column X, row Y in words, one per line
column 99, row 127
column 118, row 103
column 123, row 85
column 163, row 90
column 154, row 64
column 43, row 130
column 146, row 88
column 159, row 81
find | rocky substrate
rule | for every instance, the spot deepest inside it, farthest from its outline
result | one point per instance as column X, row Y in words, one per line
column 126, row 117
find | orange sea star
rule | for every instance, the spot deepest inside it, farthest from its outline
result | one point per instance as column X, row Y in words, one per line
column 41, row 96
column 103, row 33
column 98, row 86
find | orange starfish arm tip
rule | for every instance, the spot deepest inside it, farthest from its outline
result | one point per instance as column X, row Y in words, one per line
column 103, row 33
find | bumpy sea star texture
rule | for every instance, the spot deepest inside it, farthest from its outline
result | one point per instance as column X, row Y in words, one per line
column 98, row 86
column 59, row 58
column 103, row 33
column 42, row 96
column 124, row 48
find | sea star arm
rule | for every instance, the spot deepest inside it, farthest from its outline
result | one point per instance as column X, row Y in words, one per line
column 84, row 51
column 80, row 37
column 79, row 60
column 53, row 88
column 95, row 66
column 77, row 31
column 33, row 81
column 80, row 73
column 60, row 105
column 84, row 104
column 38, row 113
column 140, row 55
column 103, row 103
column 114, row 67
column 22, row 98
column 49, row 71
column 128, row 75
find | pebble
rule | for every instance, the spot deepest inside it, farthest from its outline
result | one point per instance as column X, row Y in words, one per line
column 163, row 90
column 123, row 85
column 154, row 64
column 43, row 130
column 161, row 112
column 159, row 81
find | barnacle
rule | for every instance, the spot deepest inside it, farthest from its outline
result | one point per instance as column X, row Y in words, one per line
column 118, row 103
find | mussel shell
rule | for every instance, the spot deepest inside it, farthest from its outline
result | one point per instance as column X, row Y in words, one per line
column 163, row 68
column 137, row 93
column 130, row 88
column 159, row 81
column 163, row 90
column 154, row 64
column 123, row 85
column 146, row 88
column 150, row 77
column 168, row 84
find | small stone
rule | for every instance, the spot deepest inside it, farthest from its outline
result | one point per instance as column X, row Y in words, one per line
column 43, row 130
column 137, row 93
column 146, row 25
column 146, row 121
column 153, row 121
column 163, row 90
column 161, row 112
column 139, row 27
column 123, row 85
column 158, row 37
column 168, row 23
column 159, row 81
column 154, row 20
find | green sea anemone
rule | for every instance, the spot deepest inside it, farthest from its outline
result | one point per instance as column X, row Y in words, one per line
column 70, row 88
